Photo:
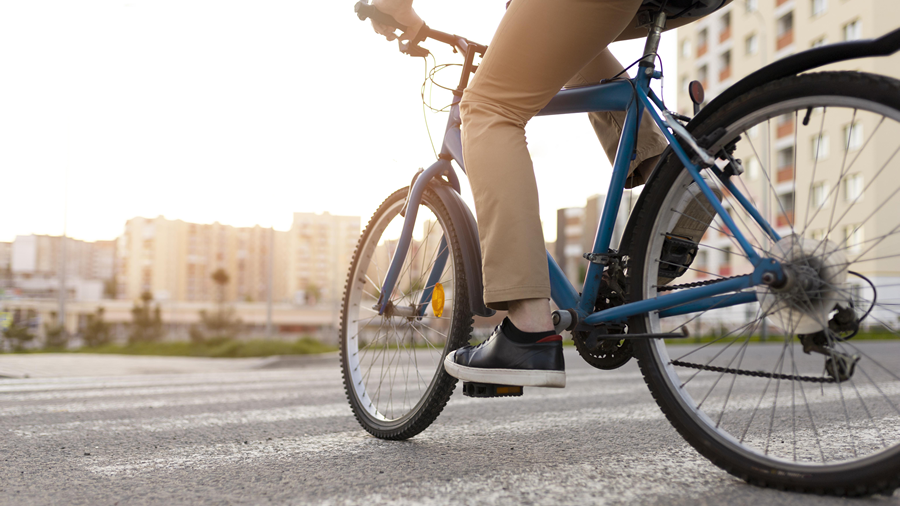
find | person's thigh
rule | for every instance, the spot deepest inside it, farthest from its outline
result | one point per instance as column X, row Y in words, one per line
column 540, row 45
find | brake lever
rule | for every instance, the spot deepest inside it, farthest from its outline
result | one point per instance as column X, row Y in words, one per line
column 413, row 49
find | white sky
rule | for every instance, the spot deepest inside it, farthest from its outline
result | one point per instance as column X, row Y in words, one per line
column 241, row 112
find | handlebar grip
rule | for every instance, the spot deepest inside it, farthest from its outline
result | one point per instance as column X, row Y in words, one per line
column 364, row 10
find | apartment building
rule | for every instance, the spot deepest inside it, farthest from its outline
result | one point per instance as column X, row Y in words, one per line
column 741, row 38
column 35, row 262
column 747, row 34
column 319, row 250
column 576, row 228
column 175, row 260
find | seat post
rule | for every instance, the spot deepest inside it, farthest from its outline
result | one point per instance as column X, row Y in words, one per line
column 652, row 46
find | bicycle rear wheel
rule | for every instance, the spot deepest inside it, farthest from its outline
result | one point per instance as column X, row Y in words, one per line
column 822, row 165
column 393, row 363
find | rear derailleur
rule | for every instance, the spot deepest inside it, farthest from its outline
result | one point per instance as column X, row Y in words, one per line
column 838, row 365
column 599, row 347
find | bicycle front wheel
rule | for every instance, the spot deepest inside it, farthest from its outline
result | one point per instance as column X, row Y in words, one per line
column 392, row 363
column 783, row 390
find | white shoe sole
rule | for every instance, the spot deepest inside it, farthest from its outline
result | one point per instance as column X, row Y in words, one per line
column 518, row 377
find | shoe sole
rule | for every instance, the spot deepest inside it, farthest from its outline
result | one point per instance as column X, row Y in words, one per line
column 516, row 377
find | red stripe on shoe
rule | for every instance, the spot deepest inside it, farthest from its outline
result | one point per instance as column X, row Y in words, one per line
column 551, row 339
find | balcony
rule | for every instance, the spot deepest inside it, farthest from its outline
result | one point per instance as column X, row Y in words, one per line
column 780, row 2
column 785, row 129
column 725, row 34
column 784, row 40
column 725, row 270
column 785, row 219
column 785, row 173
column 724, row 73
column 701, row 49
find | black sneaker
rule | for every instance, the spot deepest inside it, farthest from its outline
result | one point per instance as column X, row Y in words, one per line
column 501, row 361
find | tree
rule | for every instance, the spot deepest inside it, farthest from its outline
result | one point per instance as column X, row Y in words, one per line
column 97, row 331
column 220, row 278
column 18, row 335
column 146, row 322
column 221, row 325
column 313, row 294
column 55, row 335
column 110, row 288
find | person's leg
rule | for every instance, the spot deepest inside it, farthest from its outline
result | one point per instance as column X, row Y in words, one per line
column 538, row 47
column 608, row 125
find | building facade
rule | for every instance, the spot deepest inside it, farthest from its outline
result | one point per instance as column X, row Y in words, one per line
column 35, row 266
column 175, row 260
column 576, row 229
column 319, row 250
column 794, row 163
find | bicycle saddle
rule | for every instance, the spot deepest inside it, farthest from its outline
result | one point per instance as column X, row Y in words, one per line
column 684, row 8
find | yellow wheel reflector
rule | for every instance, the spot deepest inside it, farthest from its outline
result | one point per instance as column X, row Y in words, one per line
column 437, row 300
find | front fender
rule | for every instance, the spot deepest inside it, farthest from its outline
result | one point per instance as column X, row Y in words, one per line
column 467, row 232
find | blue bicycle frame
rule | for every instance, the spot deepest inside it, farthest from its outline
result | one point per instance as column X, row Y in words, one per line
column 632, row 96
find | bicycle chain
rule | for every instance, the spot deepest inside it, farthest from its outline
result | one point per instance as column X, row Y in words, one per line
column 667, row 288
column 757, row 374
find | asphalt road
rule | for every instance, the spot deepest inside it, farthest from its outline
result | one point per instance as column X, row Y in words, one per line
column 287, row 436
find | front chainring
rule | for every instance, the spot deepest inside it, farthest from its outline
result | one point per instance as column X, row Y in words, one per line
column 608, row 354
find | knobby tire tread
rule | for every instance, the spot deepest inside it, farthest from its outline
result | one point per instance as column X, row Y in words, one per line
column 868, row 480
column 458, row 334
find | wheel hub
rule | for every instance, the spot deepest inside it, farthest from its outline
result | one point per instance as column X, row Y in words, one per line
column 816, row 272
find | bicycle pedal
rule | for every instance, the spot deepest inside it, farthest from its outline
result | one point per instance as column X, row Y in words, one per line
column 489, row 390
column 677, row 255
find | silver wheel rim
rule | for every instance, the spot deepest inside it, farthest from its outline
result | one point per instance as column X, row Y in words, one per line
column 393, row 362
column 865, row 407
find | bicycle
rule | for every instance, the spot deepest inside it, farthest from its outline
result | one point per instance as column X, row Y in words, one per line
column 776, row 391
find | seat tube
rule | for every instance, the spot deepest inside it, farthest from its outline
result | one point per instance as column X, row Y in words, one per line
column 611, row 206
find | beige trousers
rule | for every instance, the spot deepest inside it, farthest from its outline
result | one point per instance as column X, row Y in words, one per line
column 539, row 46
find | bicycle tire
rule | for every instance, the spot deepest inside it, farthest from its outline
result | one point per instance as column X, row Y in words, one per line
column 692, row 407
column 364, row 280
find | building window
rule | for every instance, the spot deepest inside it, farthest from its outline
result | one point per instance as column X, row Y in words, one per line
column 725, row 27
column 821, row 41
column 686, row 48
column 820, row 194
column 819, row 7
column 725, row 65
column 725, row 265
column 854, row 238
column 853, row 136
column 784, row 125
column 785, row 31
column 685, row 84
column 702, row 38
column 853, row 30
column 753, row 168
column 751, row 44
column 853, row 187
column 703, row 75
column 785, row 161
column 786, row 212
column 821, row 147
column 751, row 5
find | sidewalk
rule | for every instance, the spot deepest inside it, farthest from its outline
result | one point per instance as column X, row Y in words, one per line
column 59, row 365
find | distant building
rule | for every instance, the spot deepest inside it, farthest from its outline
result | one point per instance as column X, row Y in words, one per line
column 35, row 262
column 319, row 250
column 175, row 260
column 576, row 228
